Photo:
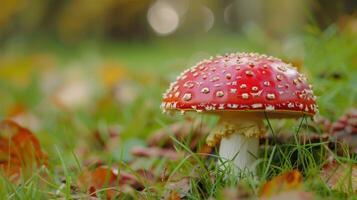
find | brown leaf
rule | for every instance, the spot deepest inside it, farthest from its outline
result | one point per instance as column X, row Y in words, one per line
column 20, row 151
column 340, row 176
column 181, row 187
column 112, row 181
column 100, row 178
column 156, row 152
column 287, row 181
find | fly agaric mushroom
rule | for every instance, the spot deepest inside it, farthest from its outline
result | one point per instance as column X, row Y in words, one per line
column 241, row 89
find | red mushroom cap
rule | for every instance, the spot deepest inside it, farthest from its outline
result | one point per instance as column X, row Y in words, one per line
column 241, row 82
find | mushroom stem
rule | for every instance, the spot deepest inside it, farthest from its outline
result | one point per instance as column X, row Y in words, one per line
column 241, row 150
column 239, row 137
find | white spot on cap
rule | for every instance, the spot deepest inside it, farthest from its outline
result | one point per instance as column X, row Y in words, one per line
column 249, row 73
column 282, row 68
column 219, row 93
column 233, row 90
column 256, row 94
column 189, row 84
column 279, row 77
column 187, row 96
column 271, row 96
column 245, row 95
column 296, row 82
column 269, row 108
column 205, row 90
column 255, row 88
column 175, row 88
column 215, row 78
column 257, row 105
column 221, row 106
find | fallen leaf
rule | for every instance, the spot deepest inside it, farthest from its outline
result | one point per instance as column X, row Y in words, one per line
column 342, row 177
column 181, row 187
column 287, row 181
column 100, row 178
column 112, row 181
column 20, row 151
column 156, row 152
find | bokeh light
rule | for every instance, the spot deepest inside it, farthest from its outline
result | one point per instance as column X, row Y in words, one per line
column 208, row 18
column 163, row 18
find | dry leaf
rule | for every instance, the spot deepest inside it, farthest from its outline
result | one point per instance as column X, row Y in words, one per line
column 340, row 176
column 181, row 187
column 112, row 181
column 100, row 178
column 20, row 151
column 156, row 152
column 287, row 181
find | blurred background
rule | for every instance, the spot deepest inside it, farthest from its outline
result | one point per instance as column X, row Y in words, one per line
column 72, row 67
column 74, row 20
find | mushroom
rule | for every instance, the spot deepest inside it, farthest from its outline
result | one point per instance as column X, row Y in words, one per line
column 242, row 89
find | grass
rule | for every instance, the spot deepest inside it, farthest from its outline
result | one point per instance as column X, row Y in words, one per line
column 148, row 67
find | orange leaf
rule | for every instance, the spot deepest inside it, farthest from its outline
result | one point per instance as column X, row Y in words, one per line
column 20, row 151
column 291, row 180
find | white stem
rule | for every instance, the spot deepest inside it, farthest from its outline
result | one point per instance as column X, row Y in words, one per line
column 241, row 150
